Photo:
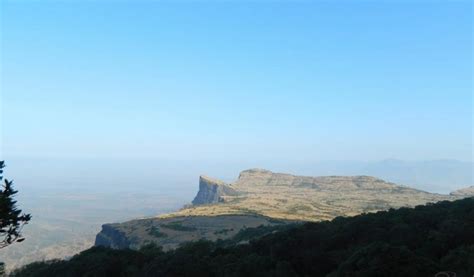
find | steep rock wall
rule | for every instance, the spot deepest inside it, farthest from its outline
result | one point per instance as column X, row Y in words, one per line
column 212, row 191
column 111, row 237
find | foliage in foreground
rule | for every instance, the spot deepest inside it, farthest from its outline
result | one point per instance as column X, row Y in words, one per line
column 405, row 242
column 11, row 218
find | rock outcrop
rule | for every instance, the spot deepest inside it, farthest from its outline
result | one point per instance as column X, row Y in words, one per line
column 171, row 232
column 111, row 236
column 212, row 191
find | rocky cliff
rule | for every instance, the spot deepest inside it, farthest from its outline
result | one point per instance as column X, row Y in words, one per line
column 212, row 191
column 113, row 237
column 173, row 231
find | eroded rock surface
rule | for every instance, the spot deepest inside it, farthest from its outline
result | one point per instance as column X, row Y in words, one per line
column 212, row 191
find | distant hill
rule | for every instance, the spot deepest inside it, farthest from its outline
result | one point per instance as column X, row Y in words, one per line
column 422, row 241
column 465, row 192
column 261, row 197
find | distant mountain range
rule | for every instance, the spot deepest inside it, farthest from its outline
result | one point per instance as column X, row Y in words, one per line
column 261, row 197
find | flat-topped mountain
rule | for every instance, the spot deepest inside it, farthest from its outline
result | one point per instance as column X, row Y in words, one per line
column 286, row 196
column 261, row 197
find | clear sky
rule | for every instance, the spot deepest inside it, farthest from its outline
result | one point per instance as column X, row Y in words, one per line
column 226, row 81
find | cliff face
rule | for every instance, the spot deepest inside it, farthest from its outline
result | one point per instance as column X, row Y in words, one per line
column 171, row 232
column 212, row 191
column 111, row 236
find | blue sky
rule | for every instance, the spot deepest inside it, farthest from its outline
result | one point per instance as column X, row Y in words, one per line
column 230, row 81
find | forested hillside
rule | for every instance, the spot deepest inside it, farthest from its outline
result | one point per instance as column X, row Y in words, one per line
column 405, row 242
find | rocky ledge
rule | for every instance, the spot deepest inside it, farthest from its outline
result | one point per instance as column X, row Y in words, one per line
column 212, row 191
column 111, row 236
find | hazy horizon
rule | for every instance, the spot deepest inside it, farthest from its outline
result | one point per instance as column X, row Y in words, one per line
column 180, row 178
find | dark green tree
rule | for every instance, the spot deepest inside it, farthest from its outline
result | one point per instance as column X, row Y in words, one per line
column 12, row 219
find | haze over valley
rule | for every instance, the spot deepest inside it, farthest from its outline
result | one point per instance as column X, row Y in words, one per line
column 296, row 138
